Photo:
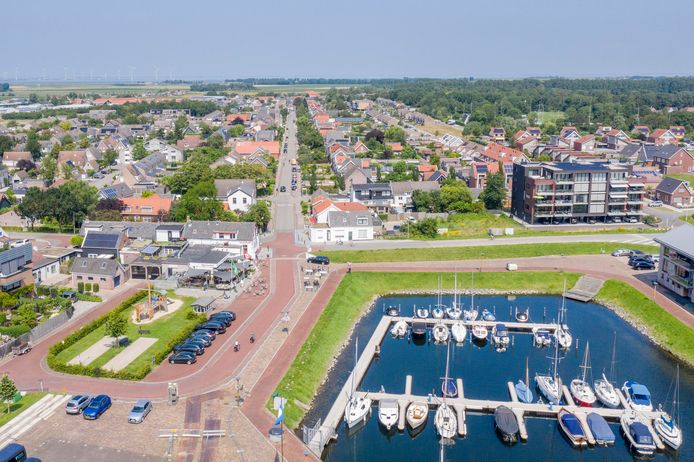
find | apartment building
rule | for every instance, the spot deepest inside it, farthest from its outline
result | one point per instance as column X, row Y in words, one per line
column 564, row 193
column 676, row 266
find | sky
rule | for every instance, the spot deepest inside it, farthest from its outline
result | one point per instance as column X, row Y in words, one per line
column 228, row 39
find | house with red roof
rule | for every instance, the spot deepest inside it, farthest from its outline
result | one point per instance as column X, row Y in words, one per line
column 150, row 209
column 569, row 133
column 321, row 209
column 527, row 144
column 11, row 158
column 239, row 118
column 585, row 143
column 641, row 130
column 247, row 148
column 190, row 142
column 495, row 152
column 661, row 136
column 616, row 139
column 497, row 134
column 396, row 148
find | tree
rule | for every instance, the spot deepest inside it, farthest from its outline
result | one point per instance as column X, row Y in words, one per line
column 179, row 126
column 456, row 192
column 7, row 390
column 395, row 134
column 494, row 192
column 216, row 141
column 49, row 168
column 139, row 151
column 26, row 165
column 236, row 130
column 76, row 240
column 258, row 213
column 33, row 207
column 375, row 134
column 33, row 145
column 25, row 315
column 6, row 143
column 116, row 325
column 108, row 158
column 313, row 181
column 198, row 203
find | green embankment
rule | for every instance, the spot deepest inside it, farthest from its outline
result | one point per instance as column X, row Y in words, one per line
column 480, row 252
column 350, row 300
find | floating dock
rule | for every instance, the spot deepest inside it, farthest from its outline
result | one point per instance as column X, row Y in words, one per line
column 462, row 404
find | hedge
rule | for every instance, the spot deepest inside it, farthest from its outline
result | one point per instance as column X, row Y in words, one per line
column 15, row 331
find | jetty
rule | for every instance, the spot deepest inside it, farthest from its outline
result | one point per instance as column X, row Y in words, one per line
column 586, row 289
column 461, row 403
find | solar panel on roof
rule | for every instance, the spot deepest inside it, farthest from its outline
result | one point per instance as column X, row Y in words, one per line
column 101, row 241
column 109, row 193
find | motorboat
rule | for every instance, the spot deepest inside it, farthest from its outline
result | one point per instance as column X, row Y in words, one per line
column 637, row 434
column 479, row 332
column 422, row 312
column 454, row 312
column 604, row 390
column 358, row 407
column 637, row 396
column 522, row 315
column 417, row 413
column 506, row 424
column 449, row 388
column 446, row 421
column 572, row 428
column 399, row 329
column 523, row 391
column 488, row 316
column 437, row 312
column 550, row 384
column 388, row 413
column 440, row 333
column 666, row 425
column 603, row 434
column 393, row 310
column 541, row 337
column 459, row 332
column 470, row 314
column 580, row 388
column 500, row 335
column 419, row 329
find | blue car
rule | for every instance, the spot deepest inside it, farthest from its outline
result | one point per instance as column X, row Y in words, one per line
column 97, row 406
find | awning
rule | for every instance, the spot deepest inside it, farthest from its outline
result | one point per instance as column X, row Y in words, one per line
column 193, row 272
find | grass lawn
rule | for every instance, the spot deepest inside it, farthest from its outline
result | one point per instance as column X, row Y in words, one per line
column 682, row 176
column 670, row 332
column 105, row 89
column 688, row 219
column 351, row 298
column 477, row 252
column 442, row 129
column 162, row 329
column 549, row 116
column 16, row 408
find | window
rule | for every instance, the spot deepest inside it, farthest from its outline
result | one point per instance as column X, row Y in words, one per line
column 90, row 278
column 361, row 234
column 362, row 221
column 147, row 208
column 245, row 200
column 79, row 278
column 233, row 200
column 102, row 279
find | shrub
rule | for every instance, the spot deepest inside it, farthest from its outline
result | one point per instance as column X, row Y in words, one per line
column 15, row 331
column 96, row 287
column 76, row 240
column 80, row 287
column 88, row 287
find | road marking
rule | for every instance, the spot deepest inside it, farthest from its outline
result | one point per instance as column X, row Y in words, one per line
column 41, row 410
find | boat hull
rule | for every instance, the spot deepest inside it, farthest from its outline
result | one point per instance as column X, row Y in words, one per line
column 524, row 393
column 446, row 421
column 550, row 389
column 582, row 393
column 671, row 435
column 357, row 411
column 571, row 427
column 606, row 394
column 417, row 413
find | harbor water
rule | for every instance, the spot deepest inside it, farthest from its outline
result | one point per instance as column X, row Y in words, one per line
column 485, row 373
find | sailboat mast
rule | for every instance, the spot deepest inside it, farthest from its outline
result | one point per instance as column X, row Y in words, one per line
column 445, row 377
column 472, row 293
column 455, row 289
column 556, row 358
column 614, row 349
column 527, row 373
column 356, row 355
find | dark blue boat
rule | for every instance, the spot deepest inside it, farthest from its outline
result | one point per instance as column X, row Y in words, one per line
column 449, row 388
column 571, row 426
column 604, row 436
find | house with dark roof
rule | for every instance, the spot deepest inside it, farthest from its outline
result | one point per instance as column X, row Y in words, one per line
column 236, row 194
column 675, row 192
column 667, row 158
column 102, row 244
column 676, row 265
column 343, row 226
column 376, row 196
column 108, row 273
column 15, row 268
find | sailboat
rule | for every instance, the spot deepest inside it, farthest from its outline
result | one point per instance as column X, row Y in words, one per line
column 666, row 424
column 471, row 313
column 488, row 315
column 421, row 312
column 358, row 408
column 604, row 390
column 445, row 419
column 523, row 390
column 580, row 389
column 454, row 311
column 459, row 331
column 440, row 333
column 562, row 335
column 438, row 311
column 479, row 332
column 550, row 385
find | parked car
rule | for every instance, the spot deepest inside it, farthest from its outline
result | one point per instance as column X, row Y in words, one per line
column 294, row 188
column 221, row 320
column 69, row 295
column 223, row 315
column 203, row 340
column 212, row 325
column 97, row 406
column 617, row 220
column 318, row 260
column 188, row 346
column 283, row 189
column 655, row 258
column 621, row 252
column 140, row 411
column 656, row 204
column 18, row 243
column 644, row 265
column 635, row 253
column 591, row 221
column 633, row 220
column 646, row 258
column 77, row 404
column 204, row 333
column 227, row 313
column 183, row 357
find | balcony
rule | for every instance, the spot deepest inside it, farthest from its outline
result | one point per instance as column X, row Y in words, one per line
column 614, row 185
column 686, row 283
column 686, row 264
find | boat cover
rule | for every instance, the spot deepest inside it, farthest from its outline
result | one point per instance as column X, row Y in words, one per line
column 543, row 333
column 640, row 433
column 419, row 327
column 505, row 420
column 501, row 330
column 572, row 424
column 601, row 430
column 639, row 393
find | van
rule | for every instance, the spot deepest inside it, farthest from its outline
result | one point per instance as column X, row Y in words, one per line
column 511, row 267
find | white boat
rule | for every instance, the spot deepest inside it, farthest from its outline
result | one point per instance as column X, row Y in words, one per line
column 637, row 396
column 357, row 408
column 572, row 428
column 417, row 413
column 459, row 332
column 666, row 425
column 637, row 434
column 399, row 329
column 562, row 335
column 479, row 332
column 445, row 419
column 440, row 333
column 422, row 312
column 437, row 312
column 580, row 388
column 388, row 413
column 500, row 335
column 488, row 315
column 454, row 311
column 470, row 314
column 522, row 316
column 604, row 390
column 550, row 384
column 541, row 337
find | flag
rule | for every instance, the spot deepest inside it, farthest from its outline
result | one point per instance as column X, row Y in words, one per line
column 280, row 415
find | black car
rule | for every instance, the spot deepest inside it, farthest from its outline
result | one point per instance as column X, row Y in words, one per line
column 636, row 253
column 636, row 258
column 182, row 357
column 221, row 320
column 211, row 325
column 229, row 316
column 319, row 260
column 227, row 313
column 204, row 333
column 202, row 341
column 283, row 189
column 189, row 346
column 643, row 265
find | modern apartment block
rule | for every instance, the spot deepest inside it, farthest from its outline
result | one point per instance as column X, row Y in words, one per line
column 562, row 192
column 676, row 266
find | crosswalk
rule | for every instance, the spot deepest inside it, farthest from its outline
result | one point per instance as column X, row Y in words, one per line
column 644, row 241
column 40, row 410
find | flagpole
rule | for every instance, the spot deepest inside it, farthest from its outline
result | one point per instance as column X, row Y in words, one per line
column 282, row 436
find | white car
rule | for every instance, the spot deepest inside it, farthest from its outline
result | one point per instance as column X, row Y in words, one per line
column 656, row 204
column 18, row 243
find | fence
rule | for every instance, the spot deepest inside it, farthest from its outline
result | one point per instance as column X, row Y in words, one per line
column 37, row 332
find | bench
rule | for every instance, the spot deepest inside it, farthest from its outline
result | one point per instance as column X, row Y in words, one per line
column 143, row 331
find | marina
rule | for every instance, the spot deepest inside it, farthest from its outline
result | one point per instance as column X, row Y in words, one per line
column 485, row 380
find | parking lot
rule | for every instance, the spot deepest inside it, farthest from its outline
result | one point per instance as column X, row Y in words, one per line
column 65, row 437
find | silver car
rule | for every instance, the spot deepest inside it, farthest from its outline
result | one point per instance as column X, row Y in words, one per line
column 77, row 403
column 140, row 411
